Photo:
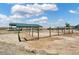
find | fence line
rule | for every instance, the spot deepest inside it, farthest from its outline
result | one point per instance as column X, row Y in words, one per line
column 65, row 30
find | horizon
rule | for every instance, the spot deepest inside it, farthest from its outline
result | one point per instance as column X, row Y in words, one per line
column 45, row 14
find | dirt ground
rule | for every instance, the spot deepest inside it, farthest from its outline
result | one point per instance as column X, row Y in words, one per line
column 67, row 44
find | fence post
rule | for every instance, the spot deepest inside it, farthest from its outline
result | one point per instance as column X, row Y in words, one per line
column 58, row 30
column 69, row 30
column 49, row 31
column 38, row 32
column 19, row 36
column 29, row 31
column 72, row 30
column 64, row 30
column 32, row 32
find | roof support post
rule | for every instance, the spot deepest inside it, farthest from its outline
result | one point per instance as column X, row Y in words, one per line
column 10, row 28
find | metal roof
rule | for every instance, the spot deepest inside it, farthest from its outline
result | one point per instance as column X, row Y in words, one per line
column 24, row 25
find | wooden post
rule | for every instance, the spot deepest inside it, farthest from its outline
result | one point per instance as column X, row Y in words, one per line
column 19, row 36
column 10, row 28
column 61, row 30
column 64, row 30
column 49, row 31
column 32, row 32
column 29, row 31
column 58, row 31
column 38, row 32
column 72, row 30
column 69, row 29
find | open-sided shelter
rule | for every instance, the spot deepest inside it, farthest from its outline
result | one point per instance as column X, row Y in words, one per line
column 20, row 26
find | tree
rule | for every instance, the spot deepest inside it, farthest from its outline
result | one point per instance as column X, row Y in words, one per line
column 67, row 25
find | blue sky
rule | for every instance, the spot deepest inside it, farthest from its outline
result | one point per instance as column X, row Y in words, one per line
column 43, row 14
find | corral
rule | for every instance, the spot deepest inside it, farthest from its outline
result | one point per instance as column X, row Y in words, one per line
column 32, row 29
column 54, row 43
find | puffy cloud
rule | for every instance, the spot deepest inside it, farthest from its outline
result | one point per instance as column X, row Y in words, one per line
column 16, row 16
column 20, row 11
column 49, row 7
column 45, row 6
column 59, row 22
column 10, row 17
column 3, row 20
column 3, row 16
column 41, row 20
column 25, row 10
column 72, row 11
column 33, row 9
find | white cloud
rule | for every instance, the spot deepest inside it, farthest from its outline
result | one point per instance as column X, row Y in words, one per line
column 73, row 11
column 45, row 6
column 3, row 16
column 16, row 16
column 3, row 20
column 49, row 7
column 59, row 22
column 41, row 20
column 33, row 9
column 25, row 9
column 20, row 11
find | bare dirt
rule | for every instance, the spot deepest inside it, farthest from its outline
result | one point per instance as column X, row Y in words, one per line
column 67, row 44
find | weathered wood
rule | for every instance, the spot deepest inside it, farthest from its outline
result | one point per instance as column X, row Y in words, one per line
column 32, row 32
column 64, row 30
column 19, row 36
column 29, row 31
column 49, row 31
column 72, row 30
column 69, row 30
column 38, row 32
column 58, row 30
